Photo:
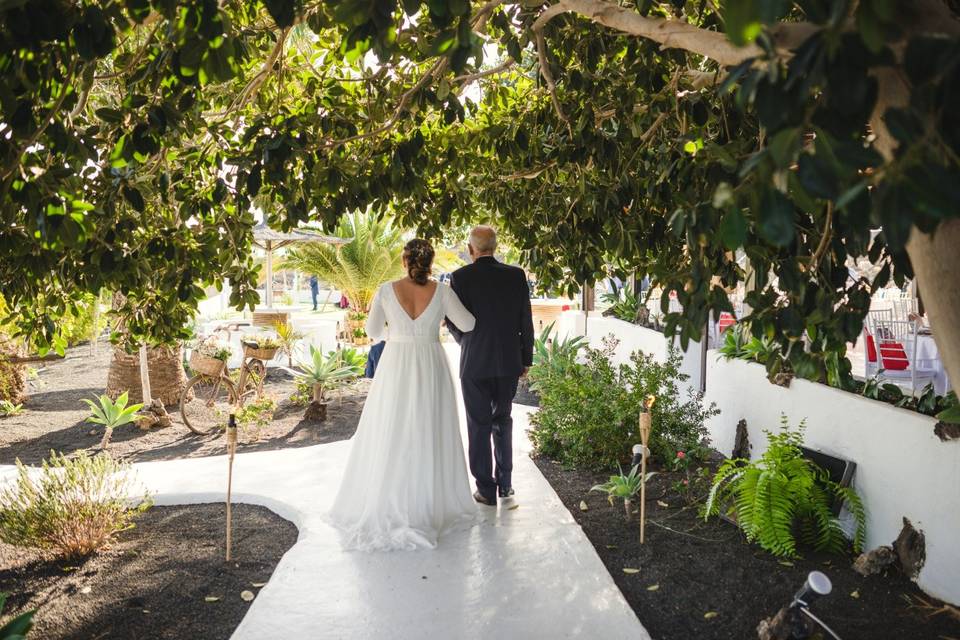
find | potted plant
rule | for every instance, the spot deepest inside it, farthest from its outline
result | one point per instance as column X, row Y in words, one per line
column 622, row 486
column 322, row 373
column 261, row 347
column 209, row 358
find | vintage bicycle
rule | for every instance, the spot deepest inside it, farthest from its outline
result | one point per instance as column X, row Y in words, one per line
column 214, row 391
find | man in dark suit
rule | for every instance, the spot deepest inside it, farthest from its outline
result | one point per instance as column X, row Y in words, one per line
column 493, row 357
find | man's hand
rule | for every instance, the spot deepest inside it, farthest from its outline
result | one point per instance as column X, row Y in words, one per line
column 523, row 373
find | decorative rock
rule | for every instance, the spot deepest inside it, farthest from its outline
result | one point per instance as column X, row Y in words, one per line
column 583, row 505
column 874, row 561
column 247, row 596
column 911, row 548
column 947, row 431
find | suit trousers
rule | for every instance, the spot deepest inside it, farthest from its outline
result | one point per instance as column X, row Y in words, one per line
column 488, row 402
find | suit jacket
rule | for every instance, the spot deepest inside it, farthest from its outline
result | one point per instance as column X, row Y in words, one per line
column 501, row 344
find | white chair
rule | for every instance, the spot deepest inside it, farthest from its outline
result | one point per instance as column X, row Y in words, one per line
column 896, row 354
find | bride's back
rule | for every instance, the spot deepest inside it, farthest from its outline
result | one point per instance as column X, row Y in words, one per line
column 414, row 298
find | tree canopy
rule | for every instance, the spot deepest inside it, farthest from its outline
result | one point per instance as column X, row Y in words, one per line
column 663, row 137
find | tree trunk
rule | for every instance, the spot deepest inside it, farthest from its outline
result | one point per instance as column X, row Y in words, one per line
column 167, row 377
column 936, row 263
column 935, row 258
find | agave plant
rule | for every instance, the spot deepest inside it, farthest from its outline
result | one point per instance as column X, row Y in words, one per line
column 354, row 359
column 17, row 628
column 553, row 356
column 324, row 372
column 111, row 414
column 623, row 486
column 372, row 256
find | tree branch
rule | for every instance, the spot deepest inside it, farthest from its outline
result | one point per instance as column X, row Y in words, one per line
column 473, row 77
column 674, row 34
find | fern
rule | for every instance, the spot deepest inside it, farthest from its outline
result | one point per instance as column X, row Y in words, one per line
column 784, row 498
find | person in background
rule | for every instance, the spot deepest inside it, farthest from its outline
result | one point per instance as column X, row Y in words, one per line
column 373, row 359
column 314, row 290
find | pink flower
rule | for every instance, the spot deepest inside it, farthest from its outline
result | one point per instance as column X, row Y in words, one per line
column 686, row 482
column 681, row 455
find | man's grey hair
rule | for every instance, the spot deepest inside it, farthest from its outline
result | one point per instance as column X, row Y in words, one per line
column 483, row 238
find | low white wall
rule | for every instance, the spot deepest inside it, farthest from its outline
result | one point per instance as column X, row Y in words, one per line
column 632, row 338
column 903, row 469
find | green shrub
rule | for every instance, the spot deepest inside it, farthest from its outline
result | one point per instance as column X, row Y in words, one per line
column 70, row 506
column 589, row 411
column 8, row 409
column 783, row 497
column 624, row 304
column 86, row 322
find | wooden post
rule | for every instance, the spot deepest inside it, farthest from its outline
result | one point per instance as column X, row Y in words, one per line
column 646, row 418
column 231, row 450
column 145, row 376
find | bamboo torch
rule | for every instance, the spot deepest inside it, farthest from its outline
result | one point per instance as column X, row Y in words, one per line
column 645, row 420
column 231, row 450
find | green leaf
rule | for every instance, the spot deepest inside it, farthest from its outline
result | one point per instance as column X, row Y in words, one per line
column 733, row 229
column 776, row 218
column 742, row 21
column 950, row 415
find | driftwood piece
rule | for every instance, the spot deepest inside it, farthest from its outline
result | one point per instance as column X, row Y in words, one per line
column 946, row 431
column 874, row 561
column 741, row 444
column 786, row 625
column 911, row 549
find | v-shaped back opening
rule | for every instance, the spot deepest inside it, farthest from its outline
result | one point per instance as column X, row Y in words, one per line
column 393, row 289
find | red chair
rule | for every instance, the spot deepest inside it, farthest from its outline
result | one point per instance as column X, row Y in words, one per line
column 726, row 321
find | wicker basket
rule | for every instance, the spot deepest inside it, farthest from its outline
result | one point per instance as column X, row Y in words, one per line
column 260, row 354
column 205, row 365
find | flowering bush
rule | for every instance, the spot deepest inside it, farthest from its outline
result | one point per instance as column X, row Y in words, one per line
column 588, row 416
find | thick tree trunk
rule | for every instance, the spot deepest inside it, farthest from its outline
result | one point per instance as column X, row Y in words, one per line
column 936, row 263
column 167, row 377
column 935, row 258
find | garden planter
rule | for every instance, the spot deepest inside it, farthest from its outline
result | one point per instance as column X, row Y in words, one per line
column 205, row 365
column 260, row 354
column 167, row 377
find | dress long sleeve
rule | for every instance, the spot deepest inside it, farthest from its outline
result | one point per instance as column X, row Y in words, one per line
column 455, row 312
column 376, row 325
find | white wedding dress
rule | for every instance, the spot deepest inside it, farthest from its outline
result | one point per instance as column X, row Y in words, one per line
column 406, row 480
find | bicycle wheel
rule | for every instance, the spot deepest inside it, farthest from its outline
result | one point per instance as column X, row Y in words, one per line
column 206, row 402
column 256, row 372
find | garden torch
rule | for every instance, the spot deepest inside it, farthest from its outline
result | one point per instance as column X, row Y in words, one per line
column 646, row 417
column 231, row 450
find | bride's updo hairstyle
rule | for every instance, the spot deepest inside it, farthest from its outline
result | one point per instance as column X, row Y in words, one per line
column 418, row 256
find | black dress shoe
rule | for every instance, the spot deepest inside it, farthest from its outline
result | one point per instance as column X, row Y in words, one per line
column 506, row 493
column 487, row 501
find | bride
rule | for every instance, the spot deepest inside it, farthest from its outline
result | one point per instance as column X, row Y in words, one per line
column 405, row 480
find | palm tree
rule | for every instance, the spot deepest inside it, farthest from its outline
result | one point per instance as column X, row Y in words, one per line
column 373, row 255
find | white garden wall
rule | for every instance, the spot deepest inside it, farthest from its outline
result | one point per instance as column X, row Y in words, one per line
column 632, row 338
column 903, row 469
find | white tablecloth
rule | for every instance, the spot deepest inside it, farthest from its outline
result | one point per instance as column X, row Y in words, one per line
column 929, row 357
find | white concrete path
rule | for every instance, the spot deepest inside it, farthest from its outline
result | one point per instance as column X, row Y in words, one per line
column 528, row 572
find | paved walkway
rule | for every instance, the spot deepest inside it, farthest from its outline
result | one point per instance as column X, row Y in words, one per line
column 527, row 572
